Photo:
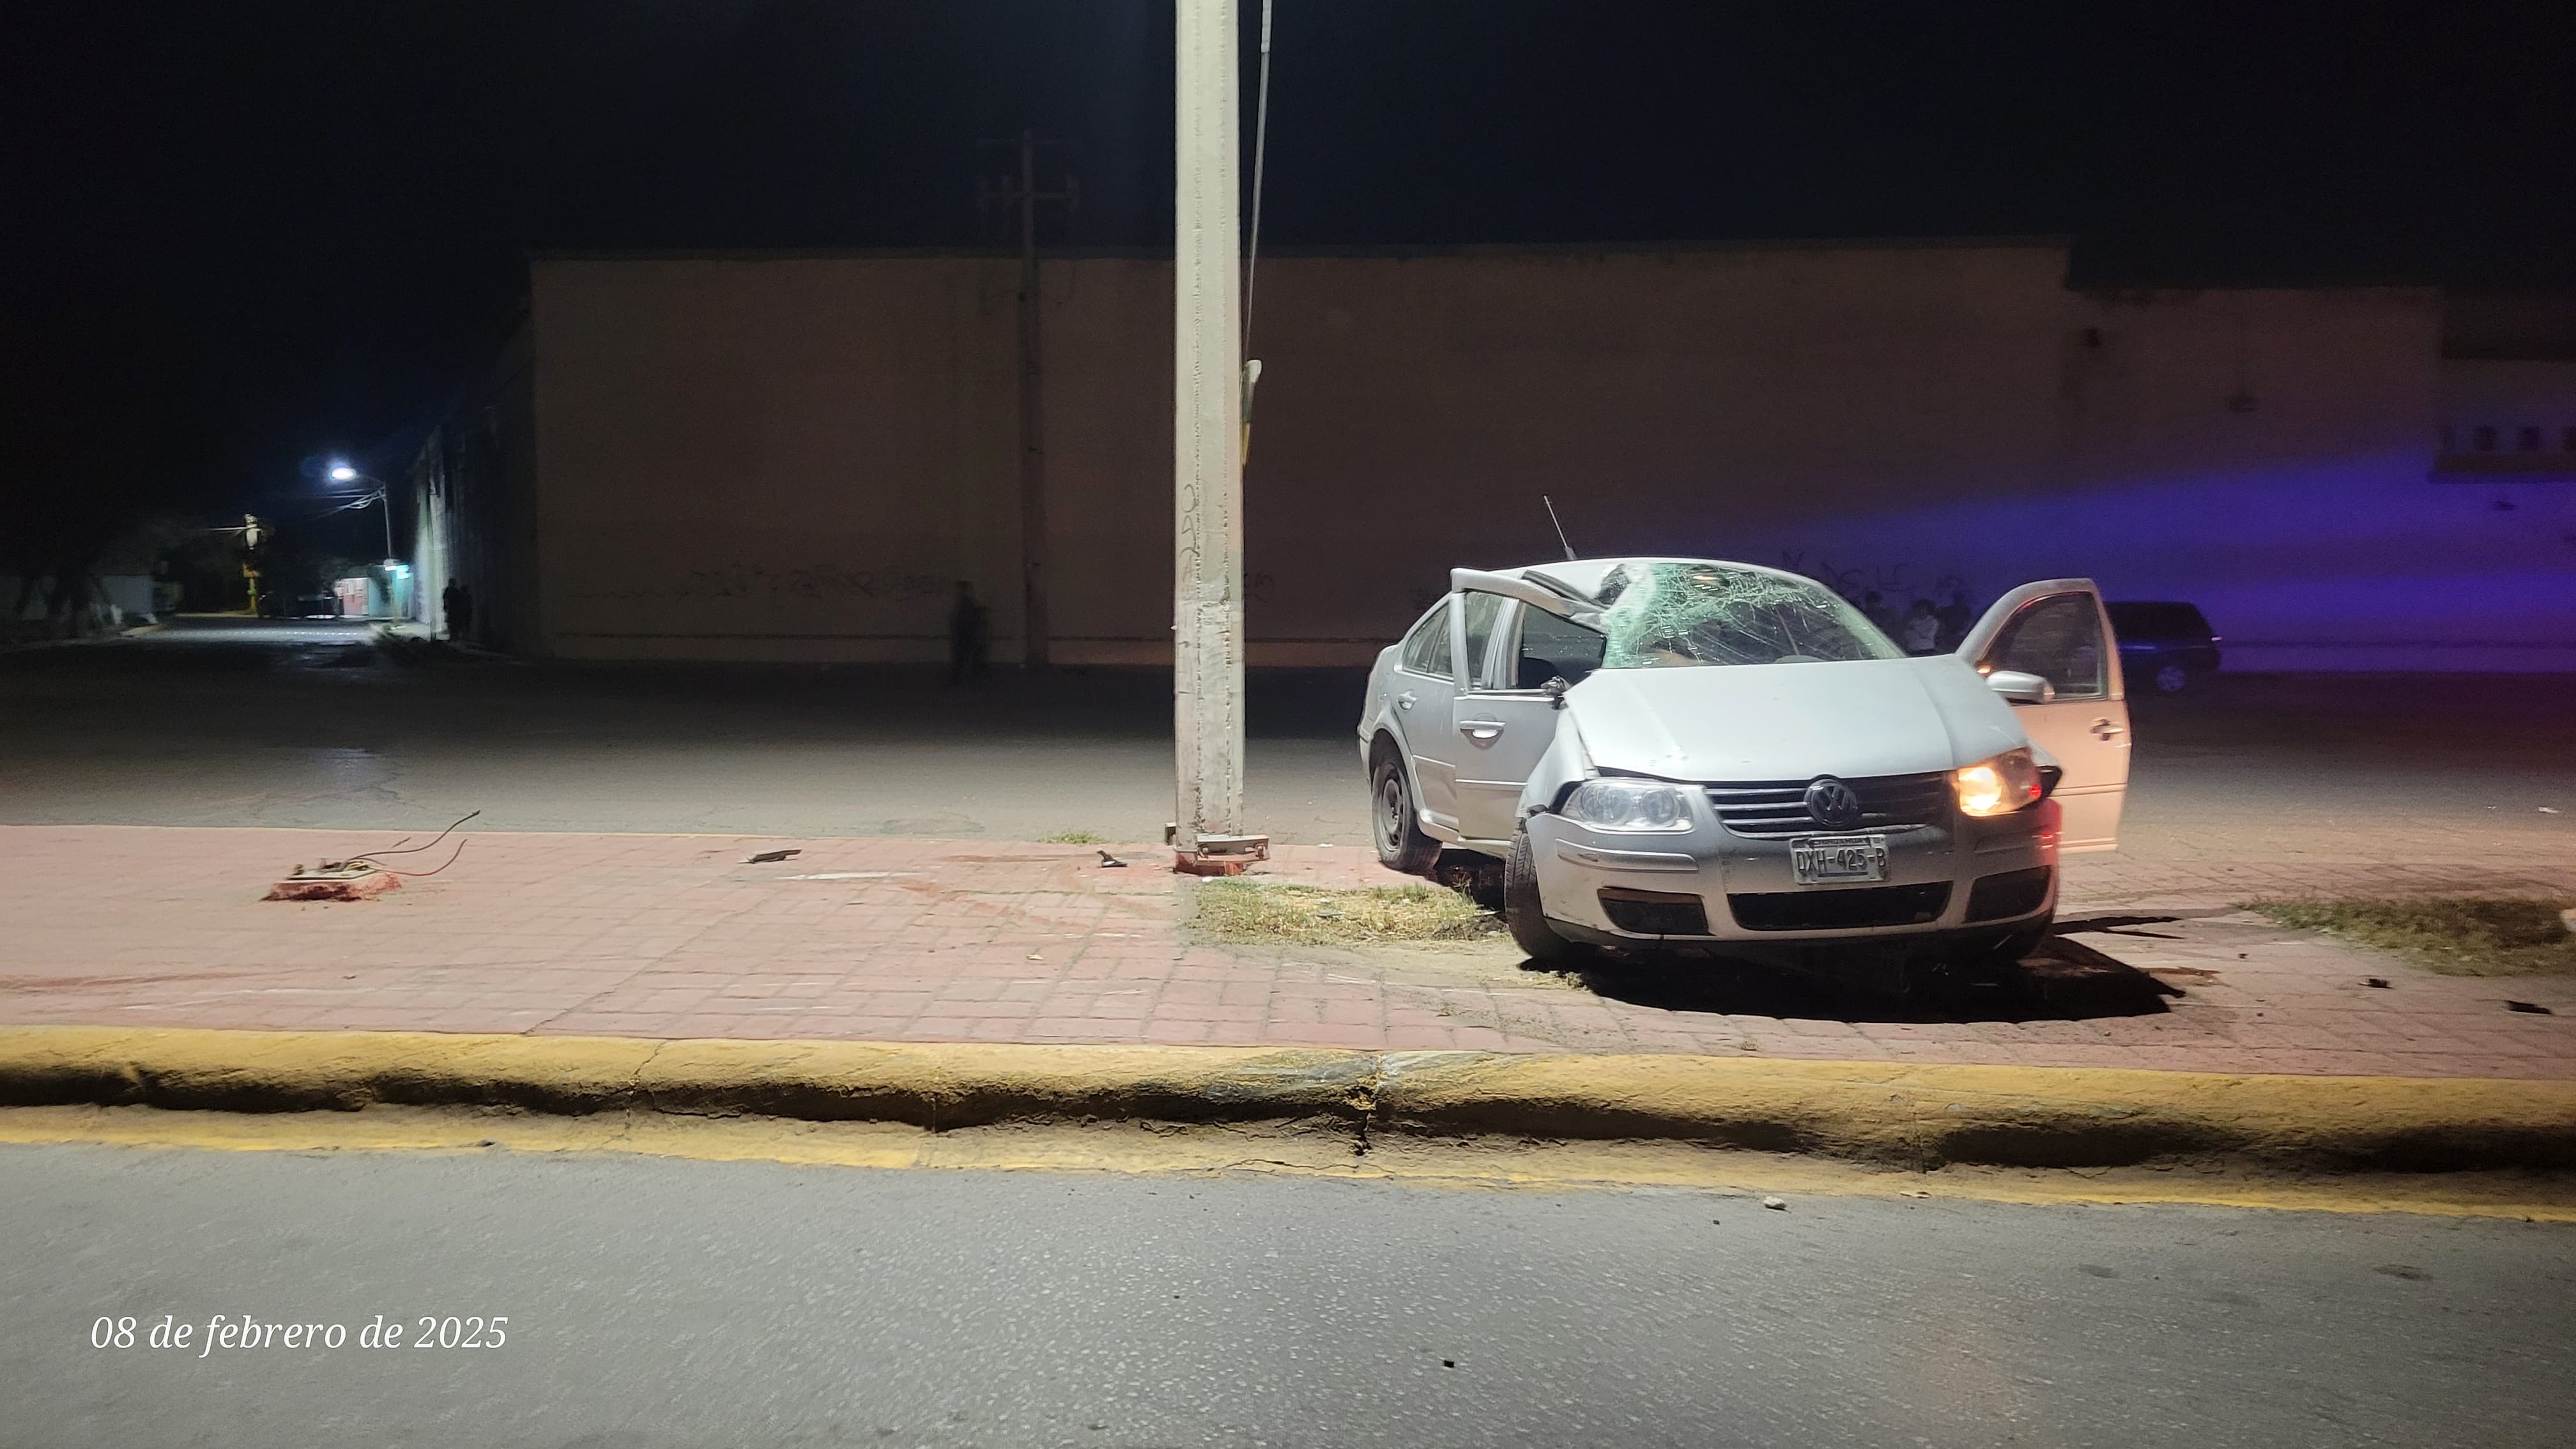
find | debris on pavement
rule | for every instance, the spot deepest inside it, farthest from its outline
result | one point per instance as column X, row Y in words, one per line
column 1775, row 1204
column 334, row 880
column 2533, row 1007
column 767, row 856
column 2380, row 982
column 364, row 875
column 1108, row 861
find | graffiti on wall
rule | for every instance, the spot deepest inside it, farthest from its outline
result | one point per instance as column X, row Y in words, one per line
column 1899, row 583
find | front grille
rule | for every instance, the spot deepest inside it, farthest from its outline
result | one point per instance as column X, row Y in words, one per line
column 1778, row 811
column 1841, row 910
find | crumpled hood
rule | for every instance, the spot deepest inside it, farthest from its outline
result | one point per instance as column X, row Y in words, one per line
column 1792, row 721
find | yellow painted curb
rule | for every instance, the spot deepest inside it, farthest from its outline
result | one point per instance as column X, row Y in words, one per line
column 931, row 1085
column 1877, row 1112
column 2013, row 1116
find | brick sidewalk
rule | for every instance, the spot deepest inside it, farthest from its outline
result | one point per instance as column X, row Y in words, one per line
column 928, row 940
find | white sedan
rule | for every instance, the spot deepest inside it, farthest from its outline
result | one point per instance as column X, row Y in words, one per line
column 1690, row 754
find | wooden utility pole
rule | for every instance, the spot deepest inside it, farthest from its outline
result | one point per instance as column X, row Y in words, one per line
column 1207, row 451
column 1021, row 193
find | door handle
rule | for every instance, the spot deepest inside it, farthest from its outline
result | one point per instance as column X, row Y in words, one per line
column 1481, row 729
column 1404, row 700
column 2103, row 729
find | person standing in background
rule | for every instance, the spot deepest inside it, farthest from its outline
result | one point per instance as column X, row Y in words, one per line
column 1876, row 608
column 457, row 602
column 1920, row 629
column 1955, row 620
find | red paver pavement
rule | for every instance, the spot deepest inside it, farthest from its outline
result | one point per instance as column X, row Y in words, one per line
column 929, row 940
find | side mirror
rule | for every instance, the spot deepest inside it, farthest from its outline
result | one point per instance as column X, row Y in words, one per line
column 1555, row 690
column 2021, row 688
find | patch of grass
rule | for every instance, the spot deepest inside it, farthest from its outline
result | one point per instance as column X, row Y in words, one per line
column 2455, row 935
column 1073, row 837
column 1263, row 913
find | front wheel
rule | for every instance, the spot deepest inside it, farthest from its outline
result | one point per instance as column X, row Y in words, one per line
column 1523, row 915
column 1395, row 823
column 2173, row 679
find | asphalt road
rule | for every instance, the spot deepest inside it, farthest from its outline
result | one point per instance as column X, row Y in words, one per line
column 307, row 725
column 661, row 1302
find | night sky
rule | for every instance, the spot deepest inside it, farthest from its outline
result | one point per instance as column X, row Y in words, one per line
column 241, row 233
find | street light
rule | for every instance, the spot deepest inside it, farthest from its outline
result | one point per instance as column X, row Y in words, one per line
column 344, row 473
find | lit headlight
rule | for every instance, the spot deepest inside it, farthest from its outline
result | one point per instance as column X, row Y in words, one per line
column 1998, row 786
column 1629, row 805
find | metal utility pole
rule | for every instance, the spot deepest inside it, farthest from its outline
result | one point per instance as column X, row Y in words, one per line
column 1207, row 451
column 1022, row 193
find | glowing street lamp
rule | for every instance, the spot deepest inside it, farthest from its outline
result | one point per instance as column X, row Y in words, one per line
column 342, row 472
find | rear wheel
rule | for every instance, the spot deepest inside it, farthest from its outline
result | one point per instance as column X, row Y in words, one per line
column 1394, row 822
column 2173, row 678
column 1522, row 913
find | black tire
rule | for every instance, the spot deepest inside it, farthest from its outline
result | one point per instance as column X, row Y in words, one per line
column 2173, row 679
column 1394, row 821
column 1522, row 914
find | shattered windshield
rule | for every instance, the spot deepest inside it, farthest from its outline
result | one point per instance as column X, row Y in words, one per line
column 1663, row 614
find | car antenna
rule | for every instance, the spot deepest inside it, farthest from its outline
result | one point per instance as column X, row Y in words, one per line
column 1570, row 554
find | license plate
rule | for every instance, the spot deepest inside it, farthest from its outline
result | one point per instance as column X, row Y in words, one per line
column 1821, row 859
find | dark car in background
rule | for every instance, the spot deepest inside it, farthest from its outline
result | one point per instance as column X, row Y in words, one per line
column 2168, row 643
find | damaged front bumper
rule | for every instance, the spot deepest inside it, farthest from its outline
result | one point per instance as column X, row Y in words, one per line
column 1957, row 882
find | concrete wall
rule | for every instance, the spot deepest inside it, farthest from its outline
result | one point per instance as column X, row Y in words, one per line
column 774, row 459
column 2509, row 416
column 792, row 458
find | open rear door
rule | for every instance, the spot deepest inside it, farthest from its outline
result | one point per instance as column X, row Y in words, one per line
column 2059, row 631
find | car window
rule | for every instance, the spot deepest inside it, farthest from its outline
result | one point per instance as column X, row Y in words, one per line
column 1661, row 615
column 1427, row 651
column 1482, row 610
column 2058, row 638
column 1554, row 648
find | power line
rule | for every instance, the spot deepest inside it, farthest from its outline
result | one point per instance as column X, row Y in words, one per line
column 1260, row 149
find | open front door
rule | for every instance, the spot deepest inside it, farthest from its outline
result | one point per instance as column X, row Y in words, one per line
column 2059, row 631
column 1506, row 719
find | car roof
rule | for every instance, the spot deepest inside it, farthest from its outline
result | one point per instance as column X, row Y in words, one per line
column 1586, row 575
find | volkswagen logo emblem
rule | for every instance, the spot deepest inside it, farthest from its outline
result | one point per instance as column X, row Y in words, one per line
column 1835, row 805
